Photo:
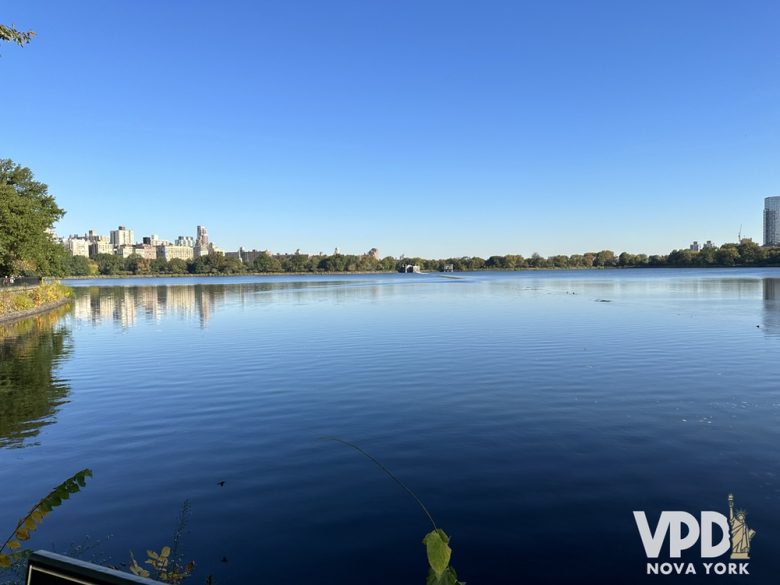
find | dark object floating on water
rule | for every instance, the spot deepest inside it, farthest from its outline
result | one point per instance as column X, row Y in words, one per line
column 603, row 301
column 758, row 326
column 221, row 483
column 224, row 560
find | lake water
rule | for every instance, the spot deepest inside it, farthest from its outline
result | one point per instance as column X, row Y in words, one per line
column 531, row 412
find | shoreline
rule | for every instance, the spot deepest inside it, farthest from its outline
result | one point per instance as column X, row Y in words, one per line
column 365, row 272
column 19, row 315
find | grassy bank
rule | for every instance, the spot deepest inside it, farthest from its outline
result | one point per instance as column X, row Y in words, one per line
column 13, row 302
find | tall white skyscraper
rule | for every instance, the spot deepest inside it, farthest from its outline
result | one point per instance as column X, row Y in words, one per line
column 772, row 221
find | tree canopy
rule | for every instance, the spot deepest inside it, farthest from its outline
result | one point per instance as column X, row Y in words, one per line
column 27, row 213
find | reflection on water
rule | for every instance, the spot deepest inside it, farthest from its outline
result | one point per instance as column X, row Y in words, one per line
column 530, row 418
column 126, row 305
column 772, row 306
column 30, row 391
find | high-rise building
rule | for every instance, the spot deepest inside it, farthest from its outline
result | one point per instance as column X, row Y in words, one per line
column 772, row 221
column 122, row 237
column 201, row 242
column 202, row 238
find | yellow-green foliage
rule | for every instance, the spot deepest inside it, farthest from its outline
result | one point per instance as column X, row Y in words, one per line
column 166, row 569
column 34, row 517
column 23, row 300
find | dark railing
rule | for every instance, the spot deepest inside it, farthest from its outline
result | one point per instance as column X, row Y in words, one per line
column 25, row 281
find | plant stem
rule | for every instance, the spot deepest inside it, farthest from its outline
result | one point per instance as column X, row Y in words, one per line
column 388, row 472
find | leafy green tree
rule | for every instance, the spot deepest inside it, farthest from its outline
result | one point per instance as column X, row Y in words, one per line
column 388, row 263
column 496, row 263
column 514, row 261
column 707, row 256
column 159, row 266
column 626, row 259
column 27, row 213
column 137, row 264
column 727, row 255
column 656, row 260
column 108, row 264
column 773, row 256
column 560, row 261
column 12, row 35
column 537, row 261
column 79, row 266
column 266, row 263
column 751, row 253
column 334, row 263
column 232, row 266
column 295, row 263
column 681, row 258
column 177, row 266
column 605, row 258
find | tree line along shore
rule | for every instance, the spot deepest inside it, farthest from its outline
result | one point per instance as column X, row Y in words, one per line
column 27, row 248
column 746, row 253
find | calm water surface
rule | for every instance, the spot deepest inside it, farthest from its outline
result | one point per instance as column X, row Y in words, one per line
column 528, row 414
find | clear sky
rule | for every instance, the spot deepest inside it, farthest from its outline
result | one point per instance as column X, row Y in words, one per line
column 423, row 127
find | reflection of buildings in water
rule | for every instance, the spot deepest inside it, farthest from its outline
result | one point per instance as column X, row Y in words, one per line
column 125, row 309
column 179, row 300
column 125, row 305
column 772, row 306
column 147, row 300
column 82, row 307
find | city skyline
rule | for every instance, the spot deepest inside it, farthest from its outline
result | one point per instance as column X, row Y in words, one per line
column 428, row 130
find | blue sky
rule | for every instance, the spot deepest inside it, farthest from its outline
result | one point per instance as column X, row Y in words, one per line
column 431, row 128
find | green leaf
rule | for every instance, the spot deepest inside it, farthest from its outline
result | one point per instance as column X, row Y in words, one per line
column 165, row 552
column 5, row 561
column 22, row 534
column 448, row 577
column 13, row 544
column 439, row 552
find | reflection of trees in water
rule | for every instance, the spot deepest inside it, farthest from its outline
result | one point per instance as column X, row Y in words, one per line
column 30, row 393
column 772, row 306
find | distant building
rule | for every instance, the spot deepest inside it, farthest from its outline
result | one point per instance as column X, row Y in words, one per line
column 202, row 238
column 93, row 236
column 143, row 250
column 201, row 247
column 168, row 252
column 247, row 256
column 122, row 237
column 695, row 247
column 185, row 241
column 154, row 240
column 100, row 247
column 77, row 246
column 708, row 244
column 772, row 221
